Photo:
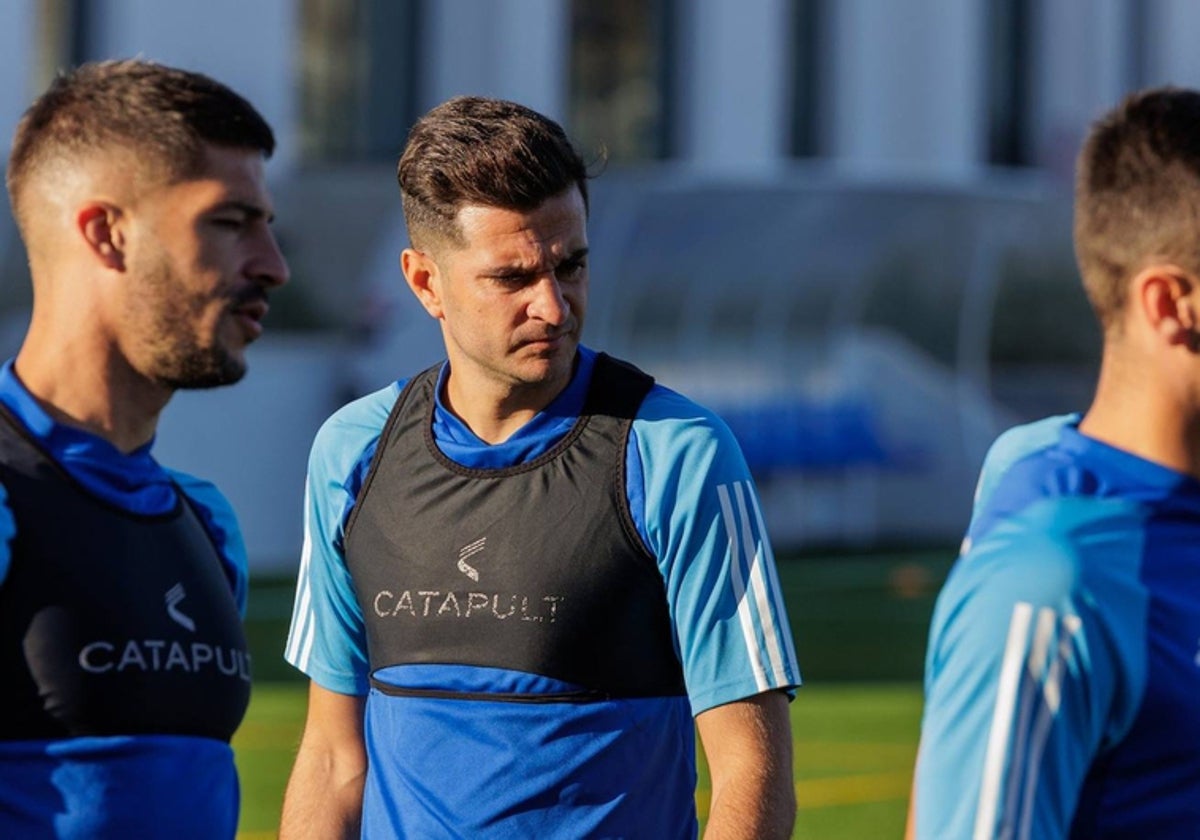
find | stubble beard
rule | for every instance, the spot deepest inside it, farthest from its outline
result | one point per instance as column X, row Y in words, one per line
column 176, row 357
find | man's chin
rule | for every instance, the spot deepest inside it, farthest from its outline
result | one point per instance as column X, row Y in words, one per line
column 202, row 371
column 549, row 370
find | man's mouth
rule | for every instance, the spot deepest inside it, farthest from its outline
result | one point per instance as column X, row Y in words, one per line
column 250, row 315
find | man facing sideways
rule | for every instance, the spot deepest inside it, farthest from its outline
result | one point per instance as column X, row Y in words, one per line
column 527, row 569
column 1064, row 658
column 138, row 190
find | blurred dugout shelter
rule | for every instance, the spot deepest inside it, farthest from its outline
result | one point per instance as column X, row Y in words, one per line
column 865, row 341
column 842, row 223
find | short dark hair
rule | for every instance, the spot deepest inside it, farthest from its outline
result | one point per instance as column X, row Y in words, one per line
column 1137, row 194
column 475, row 150
column 162, row 114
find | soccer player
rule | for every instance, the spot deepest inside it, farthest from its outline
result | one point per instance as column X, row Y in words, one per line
column 1064, row 658
column 138, row 191
column 527, row 569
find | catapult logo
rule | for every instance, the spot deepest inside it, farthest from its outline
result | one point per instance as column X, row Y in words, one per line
column 174, row 595
column 450, row 604
column 156, row 655
column 466, row 553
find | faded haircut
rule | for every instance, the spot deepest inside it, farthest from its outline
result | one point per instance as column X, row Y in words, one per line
column 472, row 150
column 163, row 116
column 1137, row 194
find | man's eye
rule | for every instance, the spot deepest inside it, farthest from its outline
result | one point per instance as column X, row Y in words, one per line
column 230, row 224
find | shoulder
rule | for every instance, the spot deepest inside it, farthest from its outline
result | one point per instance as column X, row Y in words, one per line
column 364, row 418
column 685, row 450
column 1031, row 464
column 1071, row 554
column 201, row 491
column 218, row 518
column 353, row 429
column 670, row 420
column 1018, row 444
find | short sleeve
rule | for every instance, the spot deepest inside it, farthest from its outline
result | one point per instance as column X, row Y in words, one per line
column 701, row 519
column 1035, row 663
column 218, row 518
column 327, row 639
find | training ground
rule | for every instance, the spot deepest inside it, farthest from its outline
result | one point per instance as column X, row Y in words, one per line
column 860, row 623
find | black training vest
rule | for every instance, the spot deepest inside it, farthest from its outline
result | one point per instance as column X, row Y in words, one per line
column 111, row 623
column 535, row 568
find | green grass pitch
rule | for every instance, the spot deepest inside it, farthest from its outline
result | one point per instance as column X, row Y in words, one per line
column 859, row 622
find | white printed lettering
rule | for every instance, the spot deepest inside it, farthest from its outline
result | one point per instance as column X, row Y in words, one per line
column 88, row 662
column 449, row 605
column 381, row 612
column 476, row 601
column 132, row 655
column 175, row 656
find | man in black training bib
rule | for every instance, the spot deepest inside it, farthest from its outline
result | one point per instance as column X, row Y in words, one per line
column 528, row 569
column 138, row 190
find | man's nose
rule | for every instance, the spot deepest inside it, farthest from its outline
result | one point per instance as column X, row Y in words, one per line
column 548, row 303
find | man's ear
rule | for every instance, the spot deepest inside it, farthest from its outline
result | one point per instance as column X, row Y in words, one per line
column 101, row 226
column 1167, row 296
column 424, row 279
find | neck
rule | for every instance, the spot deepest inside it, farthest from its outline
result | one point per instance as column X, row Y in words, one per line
column 1142, row 409
column 493, row 411
column 91, row 387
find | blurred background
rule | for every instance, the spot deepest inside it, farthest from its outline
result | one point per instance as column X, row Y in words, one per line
column 844, row 224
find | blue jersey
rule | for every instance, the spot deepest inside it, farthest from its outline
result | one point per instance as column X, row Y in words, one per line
column 555, row 769
column 1064, row 655
column 125, row 785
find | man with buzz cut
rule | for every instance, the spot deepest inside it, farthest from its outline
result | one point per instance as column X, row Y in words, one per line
column 138, row 190
column 1063, row 668
column 528, row 569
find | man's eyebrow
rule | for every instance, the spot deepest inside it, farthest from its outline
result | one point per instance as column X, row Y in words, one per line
column 251, row 210
column 520, row 271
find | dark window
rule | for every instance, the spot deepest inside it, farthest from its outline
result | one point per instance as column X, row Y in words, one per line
column 358, row 80
column 621, row 55
column 1008, row 40
column 806, row 60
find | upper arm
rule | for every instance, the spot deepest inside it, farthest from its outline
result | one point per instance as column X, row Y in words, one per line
column 327, row 639
column 702, row 520
column 1034, row 665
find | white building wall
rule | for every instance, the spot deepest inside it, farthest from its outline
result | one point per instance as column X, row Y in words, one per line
column 906, row 82
column 736, row 84
column 18, row 28
column 1083, row 63
column 249, row 46
column 1173, row 27
column 252, row 439
column 510, row 49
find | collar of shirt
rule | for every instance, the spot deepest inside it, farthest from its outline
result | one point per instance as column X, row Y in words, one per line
column 458, row 443
column 133, row 481
column 1119, row 472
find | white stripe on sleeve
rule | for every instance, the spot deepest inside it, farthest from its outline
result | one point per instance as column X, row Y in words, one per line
column 1052, row 697
column 1002, row 719
column 739, row 592
column 776, row 591
column 302, row 614
column 758, row 586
